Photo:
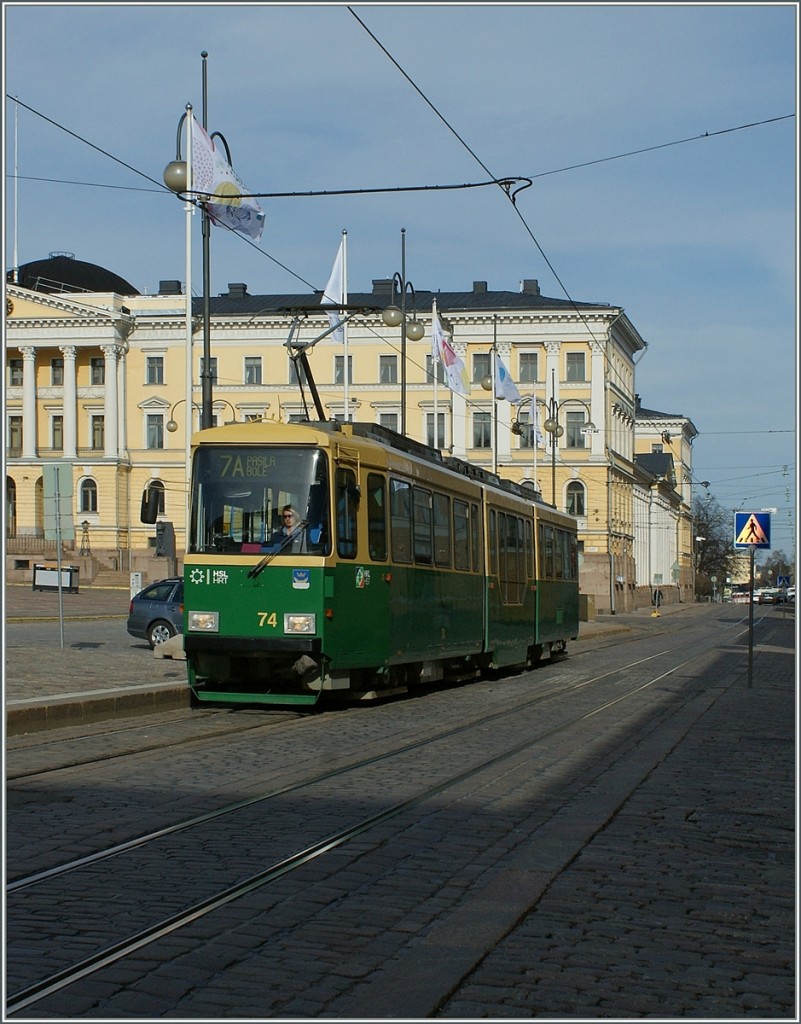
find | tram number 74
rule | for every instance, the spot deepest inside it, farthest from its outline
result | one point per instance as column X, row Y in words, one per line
column 267, row 619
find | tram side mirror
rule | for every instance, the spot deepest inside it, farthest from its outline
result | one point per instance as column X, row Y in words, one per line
column 150, row 505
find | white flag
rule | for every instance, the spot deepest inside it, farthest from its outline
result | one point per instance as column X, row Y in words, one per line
column 505, row 387
column 538, row 438
column 229, row 204
column 334, row 294
column 455, row 371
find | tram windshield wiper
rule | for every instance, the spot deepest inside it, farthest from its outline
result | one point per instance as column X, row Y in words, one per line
column 252, row 573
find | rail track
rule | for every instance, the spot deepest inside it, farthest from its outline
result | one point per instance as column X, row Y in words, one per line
column 360, row 804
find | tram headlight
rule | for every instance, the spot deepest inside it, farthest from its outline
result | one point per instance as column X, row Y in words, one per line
column 297, row 623
column 203, row 622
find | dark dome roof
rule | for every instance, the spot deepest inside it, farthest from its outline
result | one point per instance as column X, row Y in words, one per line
column 63, row 273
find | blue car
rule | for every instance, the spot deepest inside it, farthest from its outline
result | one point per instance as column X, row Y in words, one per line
column 157, row 612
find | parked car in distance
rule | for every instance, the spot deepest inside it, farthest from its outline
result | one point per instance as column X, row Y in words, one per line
column 157, row 612
column 772, row 595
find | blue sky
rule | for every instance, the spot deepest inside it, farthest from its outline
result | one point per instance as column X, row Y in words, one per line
column 696, row 241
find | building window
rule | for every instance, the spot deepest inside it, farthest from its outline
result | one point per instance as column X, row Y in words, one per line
column 430, row 370
column 574, row 424
column 527, row 437
column 657, row 449
column 297, row 375
column 15, row 373
column 15, row 434
column 98, row 433
column 155, row 430
column 388, row 369
column 528, row 367
column 97, row 370
column 88, row 496
column 212, row 368
column 57, row 433
column 389, row 420
column 339, row 369
column 575, row 366
column 155, row 370
column 481, row 368
column 482, row 430
column 253, row 369
column 57, row 372
column 575, row 498
column 440, row 439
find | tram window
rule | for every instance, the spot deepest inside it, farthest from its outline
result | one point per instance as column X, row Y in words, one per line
column 422, row 526
column 501, row 545
column 400, row 510
column 547, row 548
column 376, row 516
column 475, row 537
column 442, row 530
column 347, row 495
column 559, row 554
column 529, row 550
column 461, row 538
column 574, row 550
column 493, row 544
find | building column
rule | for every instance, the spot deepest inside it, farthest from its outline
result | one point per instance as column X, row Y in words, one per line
column 111, row 410
column 597, row 402
column 70, row 402
column 28, row 402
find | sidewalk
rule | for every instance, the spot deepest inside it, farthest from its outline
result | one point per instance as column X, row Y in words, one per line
column 97, row 675
column 86, row 681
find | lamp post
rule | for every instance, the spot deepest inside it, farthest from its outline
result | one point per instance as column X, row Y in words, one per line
column 556, row 430
column 172, row 426
column 519, row 429
column 394, row 316
column 178, row 178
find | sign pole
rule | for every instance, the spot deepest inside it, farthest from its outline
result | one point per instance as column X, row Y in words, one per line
column 751, row 623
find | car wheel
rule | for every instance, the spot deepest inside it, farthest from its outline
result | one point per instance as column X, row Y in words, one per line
column 160, row 631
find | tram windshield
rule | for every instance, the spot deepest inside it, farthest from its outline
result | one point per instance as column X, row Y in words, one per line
column 247, row 500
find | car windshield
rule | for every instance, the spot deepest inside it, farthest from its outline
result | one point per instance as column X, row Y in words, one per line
column 250, row 499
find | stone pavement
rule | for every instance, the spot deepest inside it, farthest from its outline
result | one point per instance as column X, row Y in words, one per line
column 48, row 687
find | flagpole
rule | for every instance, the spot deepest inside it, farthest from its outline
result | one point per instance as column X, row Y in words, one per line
column 494, row 395
column 344, row 299
column 189, row 208
column 16, row 188
column 535, row 427
column 434, row 367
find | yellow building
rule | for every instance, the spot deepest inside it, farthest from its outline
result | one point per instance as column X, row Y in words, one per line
column 97, row 384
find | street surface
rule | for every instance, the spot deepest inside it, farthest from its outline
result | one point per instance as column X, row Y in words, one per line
column 609, row 835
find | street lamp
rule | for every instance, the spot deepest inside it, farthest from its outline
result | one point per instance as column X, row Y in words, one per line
column 394, row 316
column 178, row 178
column 554, row 428
column 172, row 426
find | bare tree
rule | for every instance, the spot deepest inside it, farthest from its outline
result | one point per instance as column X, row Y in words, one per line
column 715, row 553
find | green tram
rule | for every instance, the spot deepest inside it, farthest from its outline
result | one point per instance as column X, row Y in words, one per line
column 402, row 567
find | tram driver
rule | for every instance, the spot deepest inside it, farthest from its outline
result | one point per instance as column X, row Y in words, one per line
column 290, row 527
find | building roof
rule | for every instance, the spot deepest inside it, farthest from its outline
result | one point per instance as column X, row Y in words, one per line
column 61, row 272
column 657, row 464
column 238, row 302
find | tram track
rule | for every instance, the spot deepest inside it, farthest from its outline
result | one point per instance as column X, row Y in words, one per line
column 614, row 696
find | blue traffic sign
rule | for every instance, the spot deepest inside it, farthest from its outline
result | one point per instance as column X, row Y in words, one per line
column 782, row 581
column 752, row 529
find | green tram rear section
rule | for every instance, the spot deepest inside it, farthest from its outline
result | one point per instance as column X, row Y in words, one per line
column 406, row 568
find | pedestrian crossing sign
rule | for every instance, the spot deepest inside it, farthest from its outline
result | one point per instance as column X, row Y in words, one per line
column 752, row 529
